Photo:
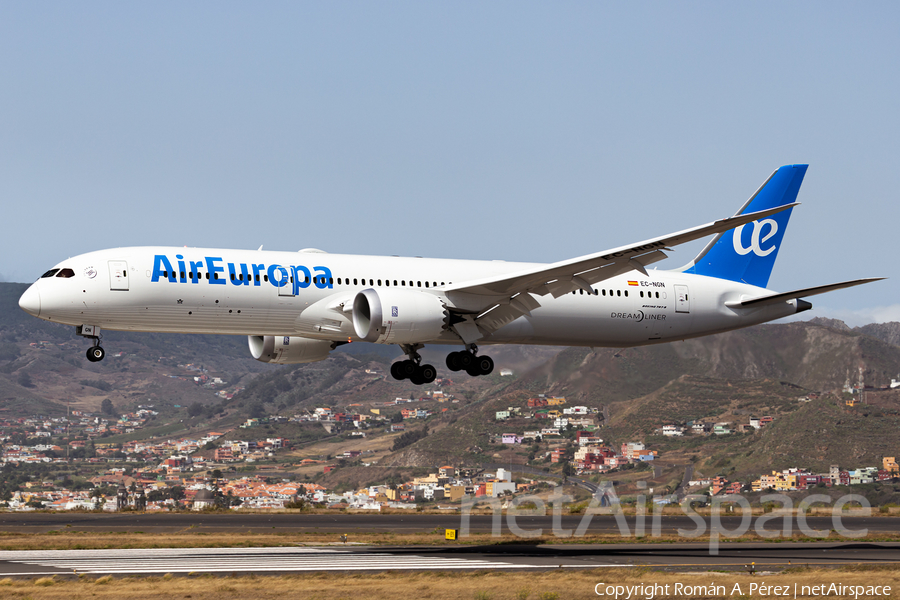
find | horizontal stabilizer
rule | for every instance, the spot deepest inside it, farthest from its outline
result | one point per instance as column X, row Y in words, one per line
column 785, row 296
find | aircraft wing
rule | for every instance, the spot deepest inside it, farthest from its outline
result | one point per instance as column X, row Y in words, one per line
column 496, row 301
column 785, row 296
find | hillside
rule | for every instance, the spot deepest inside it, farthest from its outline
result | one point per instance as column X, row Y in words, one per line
column 764, row 370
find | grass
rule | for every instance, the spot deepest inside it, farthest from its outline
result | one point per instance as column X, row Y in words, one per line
column 546, row 585
column 77, row 540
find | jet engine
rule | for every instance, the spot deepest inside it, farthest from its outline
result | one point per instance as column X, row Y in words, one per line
column 288, row 350
column 398, row 316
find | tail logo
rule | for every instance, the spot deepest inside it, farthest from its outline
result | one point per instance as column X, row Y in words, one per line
column 757, row 238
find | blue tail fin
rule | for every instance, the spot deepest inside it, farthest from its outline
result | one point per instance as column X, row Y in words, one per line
column 747, row 253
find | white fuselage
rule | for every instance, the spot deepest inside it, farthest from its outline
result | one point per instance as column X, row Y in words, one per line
column 197, row 290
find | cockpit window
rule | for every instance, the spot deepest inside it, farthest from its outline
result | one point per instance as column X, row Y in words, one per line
column 66, row 273
column 49, row 273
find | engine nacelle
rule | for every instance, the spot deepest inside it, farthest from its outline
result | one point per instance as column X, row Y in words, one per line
column 288, row 350
column 398, row 316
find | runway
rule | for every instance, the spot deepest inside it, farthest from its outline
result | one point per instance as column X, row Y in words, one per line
column 673, row 557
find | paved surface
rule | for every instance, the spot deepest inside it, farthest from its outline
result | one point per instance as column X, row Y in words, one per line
column 676, row 557
column 397, row 523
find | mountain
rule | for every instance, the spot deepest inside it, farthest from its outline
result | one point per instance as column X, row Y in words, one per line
column 765, row 370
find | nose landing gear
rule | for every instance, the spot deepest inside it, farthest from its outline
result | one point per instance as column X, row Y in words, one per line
column 411, row 368
column 95, row 353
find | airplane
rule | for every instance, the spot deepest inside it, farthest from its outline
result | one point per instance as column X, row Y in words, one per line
column 296, row 307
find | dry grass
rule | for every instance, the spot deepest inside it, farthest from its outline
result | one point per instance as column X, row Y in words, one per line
column 82, row 540
column 563, row 584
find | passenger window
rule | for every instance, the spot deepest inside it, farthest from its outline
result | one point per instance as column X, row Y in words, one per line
column 66, row 273
column 331, row 281
column 50, row 273
column 403, row 282
column 379, row 282
column 354, row 281
column 420, row 284
column 371, row 282
column 207, row 275
column 604, row 292
column 626, row 293
column 657, row 294
column 387, row 282
column 642, row 294
column 215, row 275
column 395, row 283
column 426, row 284
column 618, row 292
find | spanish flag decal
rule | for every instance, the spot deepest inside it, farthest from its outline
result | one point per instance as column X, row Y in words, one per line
column 632, row 283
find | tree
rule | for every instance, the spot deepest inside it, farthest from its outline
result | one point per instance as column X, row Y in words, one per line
column 25, row 380
column 195, row 409
column 107, row 407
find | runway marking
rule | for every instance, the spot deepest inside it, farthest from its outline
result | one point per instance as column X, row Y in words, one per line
column 217, row 560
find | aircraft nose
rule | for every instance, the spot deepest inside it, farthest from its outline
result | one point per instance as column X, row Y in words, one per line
column 30, row 301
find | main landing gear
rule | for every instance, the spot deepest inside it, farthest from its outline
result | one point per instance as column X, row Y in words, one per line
column 412, row 369
column 466, row 360
column 95, row 353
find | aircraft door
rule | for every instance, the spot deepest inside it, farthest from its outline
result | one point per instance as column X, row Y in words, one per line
column 118, row 275
column 682, row 301
column 284, row 281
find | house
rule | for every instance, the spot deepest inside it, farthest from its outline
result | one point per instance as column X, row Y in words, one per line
column 631, row 450
column 700, row 428
column 718, row 484
column 890, row 465
column 673, row 430
column 501, row 415
column 510, row 438
column 721, row 428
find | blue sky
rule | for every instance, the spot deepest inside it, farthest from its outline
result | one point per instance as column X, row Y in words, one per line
column 507, row 130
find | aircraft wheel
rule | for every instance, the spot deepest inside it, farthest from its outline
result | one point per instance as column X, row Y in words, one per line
column 95, row 353
column 465, row 359
column 427, row 373
column 416, row 378
column 407, row 368
column 453, row 361
column 485, row 364
column 397, row 370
